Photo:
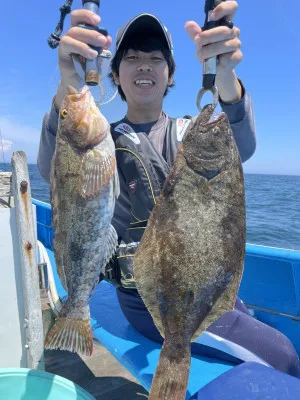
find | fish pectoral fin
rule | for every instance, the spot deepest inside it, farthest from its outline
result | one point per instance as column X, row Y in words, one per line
column 110, row 247
column 97, row 169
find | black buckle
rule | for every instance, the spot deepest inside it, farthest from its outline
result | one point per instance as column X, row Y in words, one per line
column 109, row 273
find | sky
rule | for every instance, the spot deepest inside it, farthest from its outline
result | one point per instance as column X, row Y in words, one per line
column 270, row 71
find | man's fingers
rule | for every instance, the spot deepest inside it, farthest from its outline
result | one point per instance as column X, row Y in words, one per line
column 232, row 58
column 193, row 29
column 226, row 9
column 69, row 45
column 218, row 34
column 87, row 36
column 84, row 16
column 219, row 48
column 108, row 42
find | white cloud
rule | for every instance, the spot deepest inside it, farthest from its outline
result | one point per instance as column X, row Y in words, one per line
column 17, row 136
column 6, row 145
column 18, row 132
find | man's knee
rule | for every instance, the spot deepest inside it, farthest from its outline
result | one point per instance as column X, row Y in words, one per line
column 259, row 338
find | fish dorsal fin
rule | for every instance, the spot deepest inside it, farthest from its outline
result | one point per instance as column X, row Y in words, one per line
column 97, row 169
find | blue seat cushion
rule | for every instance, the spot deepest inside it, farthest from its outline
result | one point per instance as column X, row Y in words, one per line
column 251, row 381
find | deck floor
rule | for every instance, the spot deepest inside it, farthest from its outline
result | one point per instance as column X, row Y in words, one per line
column 101, row 374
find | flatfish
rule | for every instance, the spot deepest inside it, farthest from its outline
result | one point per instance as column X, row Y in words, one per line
column 190, row 261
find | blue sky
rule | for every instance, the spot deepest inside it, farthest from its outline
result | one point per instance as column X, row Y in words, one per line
column 270, row 70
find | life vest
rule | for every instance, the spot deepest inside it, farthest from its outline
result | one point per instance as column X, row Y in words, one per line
column 145, row 171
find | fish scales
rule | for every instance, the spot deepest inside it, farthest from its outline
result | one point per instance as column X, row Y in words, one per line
column 189, row 264
column 84, row 185
column 80, row 224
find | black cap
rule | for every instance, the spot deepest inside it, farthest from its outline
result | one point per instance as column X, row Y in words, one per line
column 144, row 23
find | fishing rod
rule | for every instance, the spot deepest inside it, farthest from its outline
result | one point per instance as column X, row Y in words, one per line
column 210, row 64
column 92, row 77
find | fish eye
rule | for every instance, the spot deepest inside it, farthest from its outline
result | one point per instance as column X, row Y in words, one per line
column 64, row 113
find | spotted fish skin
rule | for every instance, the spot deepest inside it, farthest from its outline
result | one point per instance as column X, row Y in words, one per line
column 84, row 186
column 189, row 264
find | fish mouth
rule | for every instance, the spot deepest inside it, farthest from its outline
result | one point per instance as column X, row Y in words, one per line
column 77, row 93
column 84, row 95
column 216, row 119
column 207, row 119
column 75, row 96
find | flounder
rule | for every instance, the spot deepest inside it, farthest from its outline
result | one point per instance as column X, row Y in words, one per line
column 190, row 261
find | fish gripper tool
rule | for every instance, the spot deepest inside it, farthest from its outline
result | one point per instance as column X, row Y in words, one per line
column 91, row 68
column 210, row 64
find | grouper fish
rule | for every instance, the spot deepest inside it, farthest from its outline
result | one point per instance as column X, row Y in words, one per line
column 84, row 186
column 190, row 261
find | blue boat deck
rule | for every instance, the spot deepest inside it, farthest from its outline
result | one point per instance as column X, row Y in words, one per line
column 270, row 287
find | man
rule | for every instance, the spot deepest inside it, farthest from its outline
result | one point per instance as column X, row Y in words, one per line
column 146, row 141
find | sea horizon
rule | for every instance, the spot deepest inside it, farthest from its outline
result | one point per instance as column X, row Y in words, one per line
column 245, row 173
column 272, row 206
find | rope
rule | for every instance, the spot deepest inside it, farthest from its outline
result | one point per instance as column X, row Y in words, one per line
column 53, row 296
column 4, row 204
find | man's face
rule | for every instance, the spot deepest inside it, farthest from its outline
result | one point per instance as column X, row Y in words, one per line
column 144, row 77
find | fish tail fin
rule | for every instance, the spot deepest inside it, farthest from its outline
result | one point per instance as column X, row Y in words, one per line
column 172, row 373
column 71, row 334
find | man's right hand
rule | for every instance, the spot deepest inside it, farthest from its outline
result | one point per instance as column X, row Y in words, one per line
column 77, row 41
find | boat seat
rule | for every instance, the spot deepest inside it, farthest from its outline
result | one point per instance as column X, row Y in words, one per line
column 251, row 381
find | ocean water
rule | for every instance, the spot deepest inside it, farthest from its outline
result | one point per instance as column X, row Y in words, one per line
column 272, row 206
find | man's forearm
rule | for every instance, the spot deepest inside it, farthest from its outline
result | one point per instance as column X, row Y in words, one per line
column 230, row 90
column 47, row 143
column 242, row 121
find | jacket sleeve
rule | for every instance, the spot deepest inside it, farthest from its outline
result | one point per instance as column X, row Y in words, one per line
column 47, row 143
column 241, row 118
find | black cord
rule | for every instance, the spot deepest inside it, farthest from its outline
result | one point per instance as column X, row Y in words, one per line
column 54, row 38
column 4, row 204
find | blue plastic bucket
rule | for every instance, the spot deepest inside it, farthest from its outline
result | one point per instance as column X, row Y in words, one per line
column 29, row 384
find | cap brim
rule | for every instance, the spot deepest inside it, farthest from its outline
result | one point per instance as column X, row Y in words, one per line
column 144, row 23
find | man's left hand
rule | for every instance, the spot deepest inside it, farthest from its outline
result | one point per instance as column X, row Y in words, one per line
column 221, row 41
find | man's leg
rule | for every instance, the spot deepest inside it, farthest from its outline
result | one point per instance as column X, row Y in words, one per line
column 262, row 340
column 237, row 326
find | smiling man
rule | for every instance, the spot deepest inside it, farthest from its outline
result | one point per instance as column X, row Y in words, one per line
column 147, row 139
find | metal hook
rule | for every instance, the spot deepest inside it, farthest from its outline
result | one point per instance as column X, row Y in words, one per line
column 213, row 90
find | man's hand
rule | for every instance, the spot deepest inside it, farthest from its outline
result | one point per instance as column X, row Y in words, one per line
column 77, row 41
column 224, row 43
